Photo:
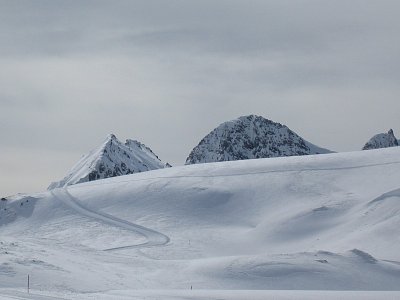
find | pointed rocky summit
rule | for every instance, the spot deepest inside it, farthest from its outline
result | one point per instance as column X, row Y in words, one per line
column 113, row 158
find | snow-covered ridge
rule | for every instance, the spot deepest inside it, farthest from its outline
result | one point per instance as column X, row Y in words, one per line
column 250, row 137
column 113, row 158
column 382, row 140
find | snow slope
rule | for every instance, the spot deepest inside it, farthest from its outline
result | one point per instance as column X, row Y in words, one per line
column 250, row 137
column 111, row 159
column 6, row 294
column 318, row 222
column 382, row 140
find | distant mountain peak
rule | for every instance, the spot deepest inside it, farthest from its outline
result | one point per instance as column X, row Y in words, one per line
column 382, row 140
column 113, row 158
column 111, row 136
column 249, row 137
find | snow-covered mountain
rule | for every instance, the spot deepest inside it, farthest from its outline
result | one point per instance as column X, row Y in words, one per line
column 382, row 140
column 250, row 137
column 113, row 158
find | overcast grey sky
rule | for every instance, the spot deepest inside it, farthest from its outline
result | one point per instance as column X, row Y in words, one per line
column 167, row 72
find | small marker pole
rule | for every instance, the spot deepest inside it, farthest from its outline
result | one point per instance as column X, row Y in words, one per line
column 28, row 283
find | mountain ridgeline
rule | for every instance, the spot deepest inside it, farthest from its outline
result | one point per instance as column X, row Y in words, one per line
column 250, row 137
column 113, row 158
column 247, row 137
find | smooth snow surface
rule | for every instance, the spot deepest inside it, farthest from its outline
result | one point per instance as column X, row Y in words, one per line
column 319, row 222
column 203, row 295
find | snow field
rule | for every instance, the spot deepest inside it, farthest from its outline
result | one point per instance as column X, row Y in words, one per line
column 324, row 222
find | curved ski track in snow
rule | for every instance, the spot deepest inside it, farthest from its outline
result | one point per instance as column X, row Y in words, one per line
column 394, row 193
column 154, row 238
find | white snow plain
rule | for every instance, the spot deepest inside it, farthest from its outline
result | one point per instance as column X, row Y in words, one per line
column 312, row 223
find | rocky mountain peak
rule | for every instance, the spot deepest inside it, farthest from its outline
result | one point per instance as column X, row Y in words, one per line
column 249, row 137
column 111, row 137
column 113, row 158
column 382, row 140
